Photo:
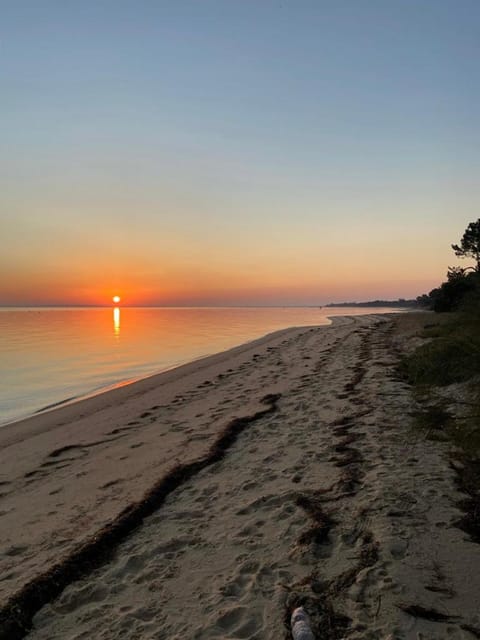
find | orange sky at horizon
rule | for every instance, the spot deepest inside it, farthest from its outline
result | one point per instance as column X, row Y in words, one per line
column 229, row 289
column 314, row 265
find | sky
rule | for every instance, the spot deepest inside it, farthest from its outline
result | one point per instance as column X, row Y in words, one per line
column 235, row 152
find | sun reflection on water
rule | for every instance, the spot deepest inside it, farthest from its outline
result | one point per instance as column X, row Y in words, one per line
column 116, row 321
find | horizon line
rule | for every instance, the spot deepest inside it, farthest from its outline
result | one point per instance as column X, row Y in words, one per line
column 199, row 306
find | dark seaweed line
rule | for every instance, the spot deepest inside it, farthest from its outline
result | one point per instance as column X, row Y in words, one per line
column 17, row 614
column 320, row 602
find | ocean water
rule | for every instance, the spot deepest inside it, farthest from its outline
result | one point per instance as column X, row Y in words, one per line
column 49, row 356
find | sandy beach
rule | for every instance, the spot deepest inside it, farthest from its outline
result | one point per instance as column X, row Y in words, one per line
column 208, row 501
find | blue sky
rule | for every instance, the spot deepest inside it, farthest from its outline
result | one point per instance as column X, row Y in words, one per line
column 264, row 140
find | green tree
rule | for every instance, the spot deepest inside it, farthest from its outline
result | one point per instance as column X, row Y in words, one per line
column 470, row 244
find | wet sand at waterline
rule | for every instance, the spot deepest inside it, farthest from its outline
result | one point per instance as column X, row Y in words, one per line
column 208, row 501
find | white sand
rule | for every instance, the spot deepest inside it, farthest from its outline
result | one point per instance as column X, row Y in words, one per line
column 230, row 550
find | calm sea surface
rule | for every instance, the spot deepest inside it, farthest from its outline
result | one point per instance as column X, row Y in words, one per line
column 49, row 356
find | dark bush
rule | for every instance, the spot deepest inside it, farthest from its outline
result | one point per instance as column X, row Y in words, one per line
column 457, row 290
column 443, row 361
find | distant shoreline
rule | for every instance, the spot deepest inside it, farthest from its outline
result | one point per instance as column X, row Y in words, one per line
column 373, row 304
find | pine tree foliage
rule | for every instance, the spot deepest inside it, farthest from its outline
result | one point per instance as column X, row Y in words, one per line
column 470, row 244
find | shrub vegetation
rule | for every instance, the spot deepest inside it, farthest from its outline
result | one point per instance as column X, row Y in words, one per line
column 452, row 352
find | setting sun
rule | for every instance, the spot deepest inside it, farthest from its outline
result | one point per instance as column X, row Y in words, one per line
column 116, row 299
